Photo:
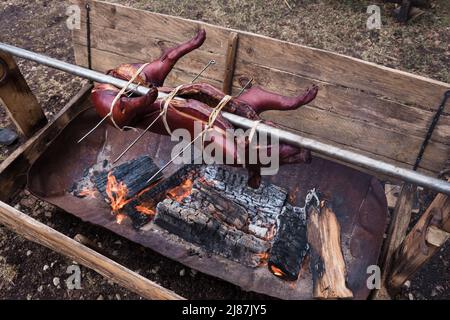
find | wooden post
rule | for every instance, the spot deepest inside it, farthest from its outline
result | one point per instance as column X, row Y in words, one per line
column 396, row 233
column 40, row 233
column 230, row 62
column 21, row 104
column 424, row 240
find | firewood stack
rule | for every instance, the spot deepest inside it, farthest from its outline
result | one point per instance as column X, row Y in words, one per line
column 213, row 208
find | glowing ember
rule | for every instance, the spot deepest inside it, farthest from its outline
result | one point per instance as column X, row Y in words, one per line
column 182, row 191
column 120, row 218
column 145, row 210
column 263, row 258
column 87, row 193
column 117, row 193
column 276, row 271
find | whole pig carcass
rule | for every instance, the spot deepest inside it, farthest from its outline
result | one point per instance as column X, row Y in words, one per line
column 199, row 101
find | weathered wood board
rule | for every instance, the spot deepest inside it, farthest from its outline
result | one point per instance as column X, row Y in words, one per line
column 377, row 111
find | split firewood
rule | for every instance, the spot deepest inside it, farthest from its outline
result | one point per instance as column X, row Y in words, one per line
column 327, row 261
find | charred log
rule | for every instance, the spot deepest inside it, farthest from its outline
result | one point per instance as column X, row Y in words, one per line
column 263, row 204
column 133, row 174
column 141, row 208
column 198, row 220
column 290, row 245
column 327, row 261
column 228, row 212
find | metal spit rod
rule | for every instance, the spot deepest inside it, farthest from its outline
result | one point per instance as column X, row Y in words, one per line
column 283, row 135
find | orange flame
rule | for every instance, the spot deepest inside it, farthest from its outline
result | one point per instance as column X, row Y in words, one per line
column 117, row 193
column 182, row 191
column 276, row 271
column 145, row 210
column 120, row 217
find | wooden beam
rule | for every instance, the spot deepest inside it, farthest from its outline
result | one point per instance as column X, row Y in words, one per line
column 416, row 250
column 21, row 104
column 40, row 233
column 13, row 170
column 396, row 233
column 230, row 62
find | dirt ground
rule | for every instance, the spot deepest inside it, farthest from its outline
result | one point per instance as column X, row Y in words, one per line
column 29, row 271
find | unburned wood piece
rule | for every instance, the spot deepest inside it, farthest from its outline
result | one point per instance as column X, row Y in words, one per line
column 40, row 233
column 436, row 236
column 415, row 250
column 230, row 62
column 21, row 104
column 396, row 232
column 327, row 261
column 392, row 192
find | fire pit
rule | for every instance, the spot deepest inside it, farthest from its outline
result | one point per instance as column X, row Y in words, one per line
column 206, row 217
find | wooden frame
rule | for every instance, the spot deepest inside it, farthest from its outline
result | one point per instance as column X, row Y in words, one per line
column 366, row 104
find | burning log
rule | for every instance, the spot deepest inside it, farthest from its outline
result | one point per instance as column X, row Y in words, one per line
column 327, row 261
column 141, row 209
column 133, row 174
column 290, row 245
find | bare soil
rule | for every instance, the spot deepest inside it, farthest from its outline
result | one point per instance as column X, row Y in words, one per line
column 30, row 271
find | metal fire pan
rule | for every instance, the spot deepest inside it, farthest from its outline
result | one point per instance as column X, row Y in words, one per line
column 357, row 198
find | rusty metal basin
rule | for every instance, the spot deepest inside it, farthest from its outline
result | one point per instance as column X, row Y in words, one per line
column 357, row 198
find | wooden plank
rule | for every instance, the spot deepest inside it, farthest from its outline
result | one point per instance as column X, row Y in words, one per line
column 103, row 61
column 351, row 103
column 361, row 135
column 13, row 170
column 20, row 103
column 342, row 70
column 230, row 63
column 310, row 62
column 38, row 232
column 396, row 232
column 415, row 250
column 137, row 50
column 149, row 24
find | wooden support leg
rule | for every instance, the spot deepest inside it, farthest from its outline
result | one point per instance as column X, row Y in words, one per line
column 396, row 233
column 424, row 240
column 21, row 105
column 38, row 232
